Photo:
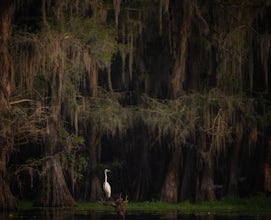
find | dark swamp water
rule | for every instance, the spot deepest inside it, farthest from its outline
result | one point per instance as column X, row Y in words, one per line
column 50, row 214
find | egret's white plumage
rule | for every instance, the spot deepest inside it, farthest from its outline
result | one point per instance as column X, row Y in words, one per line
column 106, row 185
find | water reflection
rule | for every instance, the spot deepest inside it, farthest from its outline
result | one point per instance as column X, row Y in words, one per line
column 62, row 214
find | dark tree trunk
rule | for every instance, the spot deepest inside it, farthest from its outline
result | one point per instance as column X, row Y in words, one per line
column 179, row 69
column 5, row 59
column 169, row 192
column 233, row 188
column 187, row 185
column 267, row 168
column 205, row 183
column 55, row 192
column 141, row 185
column 7, row 200
column 94, row 159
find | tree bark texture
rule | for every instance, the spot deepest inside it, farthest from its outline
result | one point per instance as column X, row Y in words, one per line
column 205, row 182
column 267, row 169
column 55, row 192
column 94, row 159
column 6, row 13
column 7, row 200
column 169, row 192
column 179, row 68
column 233, row 188
column 187, row 184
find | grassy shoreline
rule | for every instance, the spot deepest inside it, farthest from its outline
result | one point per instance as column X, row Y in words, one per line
column 253, row 204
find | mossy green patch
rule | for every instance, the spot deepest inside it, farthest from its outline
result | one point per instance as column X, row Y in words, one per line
column 254, row 204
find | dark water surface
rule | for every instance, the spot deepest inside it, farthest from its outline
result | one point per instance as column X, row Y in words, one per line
column 50, row 214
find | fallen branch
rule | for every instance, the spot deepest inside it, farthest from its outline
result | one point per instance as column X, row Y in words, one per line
column 19, row 101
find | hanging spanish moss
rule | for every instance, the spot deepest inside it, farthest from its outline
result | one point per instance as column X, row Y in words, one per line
column 94, row 84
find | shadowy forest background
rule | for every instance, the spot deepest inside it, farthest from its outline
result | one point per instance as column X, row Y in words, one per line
column 172, row 96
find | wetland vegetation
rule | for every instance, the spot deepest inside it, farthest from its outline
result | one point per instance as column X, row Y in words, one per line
column 237, row 205
column 229, row 208
column 172, row 96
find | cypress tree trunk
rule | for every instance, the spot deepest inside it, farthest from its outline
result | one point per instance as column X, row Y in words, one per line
column 187, row 181
column 141, row 180
column 94, row 158
column 179, row 69
column 267, row 169
column 7, row 200
column 233, row 188
column 54, row 190
column 169, row 192
column 205, row 182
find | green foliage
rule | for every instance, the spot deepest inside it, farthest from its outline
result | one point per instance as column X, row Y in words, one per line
column 172, row 118
column 231, row 85
column 100, row 38
column 107, row 116
column 77, row 165
column 41, row 86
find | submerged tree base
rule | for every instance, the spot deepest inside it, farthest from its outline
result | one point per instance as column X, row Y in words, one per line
column 55, row 192
column 120, row 205
column 7, row 200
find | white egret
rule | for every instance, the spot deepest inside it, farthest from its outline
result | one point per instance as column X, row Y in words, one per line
column 106, row 185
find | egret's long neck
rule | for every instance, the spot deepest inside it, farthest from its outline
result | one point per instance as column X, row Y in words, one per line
column 105, row 176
